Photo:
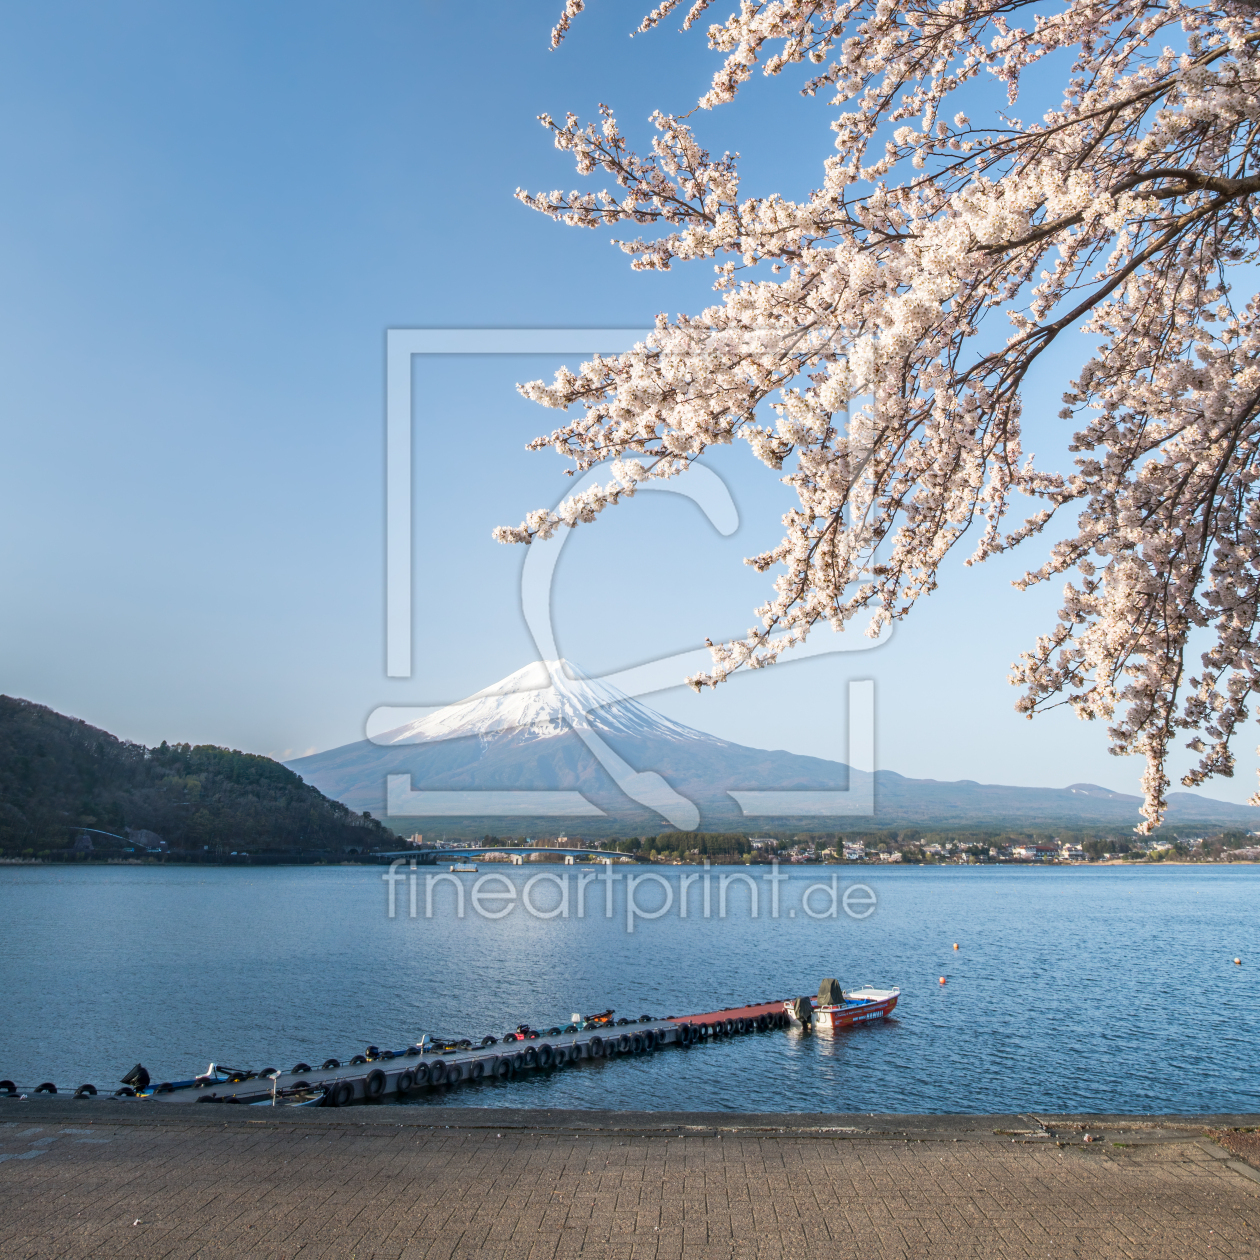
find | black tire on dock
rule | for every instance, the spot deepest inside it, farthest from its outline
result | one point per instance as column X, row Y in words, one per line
column 454, row 1073
column 301, row 1067
column 128, row 1092
column 762, row 1023
column 531, row 1057
column 596, row 1047
column 46, row 1088
column 85, row 1091
column 437, row 1072
column 518, row 1061
column 330, row 1064
column 729, row 1028
column 488, row 1041
column 340, row 1094
column 406, row 1082
column 8, row 1087
column 358, row 1058
column 546, row 1055
column 502, row 1067
column 624, row 1043
column 637, row 1044
column 553, row 1032
column 374, row 1086
column 476, row 1070
column 741, row 1027
column 421, row 1073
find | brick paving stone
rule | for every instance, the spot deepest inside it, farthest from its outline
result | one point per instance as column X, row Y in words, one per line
column 388, row 1191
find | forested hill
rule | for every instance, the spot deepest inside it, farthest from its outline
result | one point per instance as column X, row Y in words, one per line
column 59, row 775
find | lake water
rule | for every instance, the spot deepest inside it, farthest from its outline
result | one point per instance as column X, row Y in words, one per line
column 1074, row 989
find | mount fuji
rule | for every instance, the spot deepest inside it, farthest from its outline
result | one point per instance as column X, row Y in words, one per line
column 549, row 749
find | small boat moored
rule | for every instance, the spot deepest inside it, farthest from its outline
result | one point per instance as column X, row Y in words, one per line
column 834, row 1009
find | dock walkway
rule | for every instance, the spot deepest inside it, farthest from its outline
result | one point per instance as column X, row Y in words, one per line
column 400, row 1073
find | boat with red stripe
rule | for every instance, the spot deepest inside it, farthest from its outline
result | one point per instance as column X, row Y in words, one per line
column 834, row 1009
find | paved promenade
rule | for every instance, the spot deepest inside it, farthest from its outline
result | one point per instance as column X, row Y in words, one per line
column 147, row 1180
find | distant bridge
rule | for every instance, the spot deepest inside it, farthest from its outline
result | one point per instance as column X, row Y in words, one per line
column 430, row 857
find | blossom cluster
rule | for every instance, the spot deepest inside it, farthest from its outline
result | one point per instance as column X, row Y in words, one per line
column 872, row 343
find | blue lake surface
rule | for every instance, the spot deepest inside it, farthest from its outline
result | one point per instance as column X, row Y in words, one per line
column 1074, row 989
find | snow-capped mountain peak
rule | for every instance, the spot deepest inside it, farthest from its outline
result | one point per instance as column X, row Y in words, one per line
column 544, row 698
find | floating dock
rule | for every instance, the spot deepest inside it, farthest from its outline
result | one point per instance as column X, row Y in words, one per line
column 385, row 1075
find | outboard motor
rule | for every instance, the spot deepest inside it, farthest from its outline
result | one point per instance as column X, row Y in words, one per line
column 137, row 1078
column 804, row 1011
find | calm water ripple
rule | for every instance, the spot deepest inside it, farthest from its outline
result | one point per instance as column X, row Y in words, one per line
column 1075, row 989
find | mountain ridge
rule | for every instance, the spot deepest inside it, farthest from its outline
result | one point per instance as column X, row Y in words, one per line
column 548, row 727
column 61, row 778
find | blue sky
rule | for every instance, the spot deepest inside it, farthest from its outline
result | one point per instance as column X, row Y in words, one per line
column 212, row 215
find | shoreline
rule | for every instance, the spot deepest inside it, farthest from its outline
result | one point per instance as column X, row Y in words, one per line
column 1029, row 864
column 840, row 1125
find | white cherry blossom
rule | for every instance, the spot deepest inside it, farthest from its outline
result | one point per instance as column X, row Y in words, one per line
column 904, row 303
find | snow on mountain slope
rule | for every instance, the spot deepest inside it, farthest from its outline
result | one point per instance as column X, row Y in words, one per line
column 548, row 727
column 543, row 699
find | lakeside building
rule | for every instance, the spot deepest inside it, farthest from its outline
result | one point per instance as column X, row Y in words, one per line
column 1036, row 852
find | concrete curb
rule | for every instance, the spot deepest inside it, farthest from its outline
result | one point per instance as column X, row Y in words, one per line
column 1032, row 1127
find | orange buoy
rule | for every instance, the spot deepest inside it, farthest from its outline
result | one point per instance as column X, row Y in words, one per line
column 1237, row 962
column 942, row 979
column 955, row 944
